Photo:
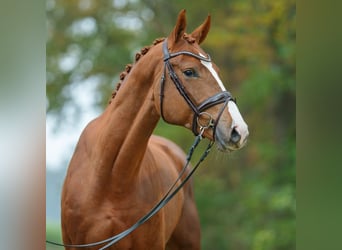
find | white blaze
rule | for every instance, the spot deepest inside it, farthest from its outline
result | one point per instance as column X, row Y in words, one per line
column 209, row 66
column 237, row 120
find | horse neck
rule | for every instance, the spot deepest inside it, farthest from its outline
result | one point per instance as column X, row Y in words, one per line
column 127, row 124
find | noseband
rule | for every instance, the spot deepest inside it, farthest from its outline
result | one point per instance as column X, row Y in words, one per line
column 199, row 110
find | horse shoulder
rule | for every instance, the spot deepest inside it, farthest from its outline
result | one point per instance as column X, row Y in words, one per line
column 172, row 159
column 172, row 150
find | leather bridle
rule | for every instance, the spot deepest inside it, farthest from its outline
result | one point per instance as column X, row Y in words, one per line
column 199, row 110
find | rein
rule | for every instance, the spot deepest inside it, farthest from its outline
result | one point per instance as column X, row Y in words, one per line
column 167, row 197
column 199, row 111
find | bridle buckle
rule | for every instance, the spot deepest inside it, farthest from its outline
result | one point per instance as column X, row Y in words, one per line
column 209, row 122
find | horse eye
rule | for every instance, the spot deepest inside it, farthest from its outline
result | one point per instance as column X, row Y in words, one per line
column 189, row 73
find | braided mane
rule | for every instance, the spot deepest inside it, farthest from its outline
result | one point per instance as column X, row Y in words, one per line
column 128, row 67
column 138, row 55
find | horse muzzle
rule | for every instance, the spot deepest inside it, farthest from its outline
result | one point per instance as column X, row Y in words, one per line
column 233, row 137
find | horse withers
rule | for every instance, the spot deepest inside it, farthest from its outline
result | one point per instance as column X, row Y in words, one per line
column 119, row 170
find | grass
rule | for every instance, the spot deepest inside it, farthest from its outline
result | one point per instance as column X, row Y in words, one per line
column 53, row 233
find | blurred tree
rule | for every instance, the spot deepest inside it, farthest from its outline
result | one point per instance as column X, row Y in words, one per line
column 246, row 200
column 89, row 40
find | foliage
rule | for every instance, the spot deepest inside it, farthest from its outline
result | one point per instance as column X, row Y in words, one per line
column 246, row 200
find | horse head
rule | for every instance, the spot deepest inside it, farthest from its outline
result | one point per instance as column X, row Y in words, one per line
column 191, row 93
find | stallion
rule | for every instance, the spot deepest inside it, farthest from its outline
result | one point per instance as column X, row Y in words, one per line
column 119, row 170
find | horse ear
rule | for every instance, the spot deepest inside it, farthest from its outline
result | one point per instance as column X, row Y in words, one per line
column 179, row 29
column 202, row 31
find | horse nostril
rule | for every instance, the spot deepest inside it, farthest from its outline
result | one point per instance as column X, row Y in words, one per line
column 235, row 136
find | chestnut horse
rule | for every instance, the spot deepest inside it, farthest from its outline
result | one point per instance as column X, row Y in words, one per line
column 119, row 170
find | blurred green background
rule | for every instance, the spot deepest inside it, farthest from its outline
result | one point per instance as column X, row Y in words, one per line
column 246, row 200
